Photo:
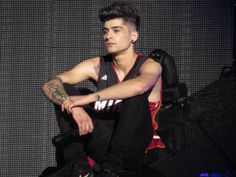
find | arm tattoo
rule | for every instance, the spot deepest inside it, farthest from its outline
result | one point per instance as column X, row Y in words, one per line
column 96, row 69
column 55, row 91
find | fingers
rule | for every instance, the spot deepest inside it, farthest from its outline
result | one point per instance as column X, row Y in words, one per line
column 67, row 104
column 74, row 101
column 85, row 127
column 83, row 120
column 63, row 106
column 90, row 127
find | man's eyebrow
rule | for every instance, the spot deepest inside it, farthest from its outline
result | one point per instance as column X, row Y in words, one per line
column 117, row 27
column 113, row 27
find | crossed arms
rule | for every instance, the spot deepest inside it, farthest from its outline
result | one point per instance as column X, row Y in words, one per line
column 149, row 74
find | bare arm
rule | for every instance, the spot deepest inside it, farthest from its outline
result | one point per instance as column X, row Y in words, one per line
column 150, row 72
column 54, row 90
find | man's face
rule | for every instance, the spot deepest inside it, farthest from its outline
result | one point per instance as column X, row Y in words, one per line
column 118, row 36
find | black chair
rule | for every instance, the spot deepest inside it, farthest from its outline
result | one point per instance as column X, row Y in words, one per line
column 174, row 107
column 173, row 91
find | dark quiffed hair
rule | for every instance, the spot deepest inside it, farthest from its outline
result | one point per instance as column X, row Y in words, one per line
column 120, row 10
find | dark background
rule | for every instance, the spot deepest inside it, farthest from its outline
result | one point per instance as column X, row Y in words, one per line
column 40, row 39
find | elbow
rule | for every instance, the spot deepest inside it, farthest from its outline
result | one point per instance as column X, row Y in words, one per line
column 45, row 87
column 141, row 88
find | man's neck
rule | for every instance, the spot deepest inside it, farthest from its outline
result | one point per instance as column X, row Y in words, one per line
column 124, row 61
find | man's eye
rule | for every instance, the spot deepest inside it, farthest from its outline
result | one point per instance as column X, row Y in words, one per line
column 116, row 30
column 105, row 32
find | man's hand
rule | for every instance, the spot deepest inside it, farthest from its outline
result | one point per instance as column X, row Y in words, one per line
column 75, row 101
column 83, row 120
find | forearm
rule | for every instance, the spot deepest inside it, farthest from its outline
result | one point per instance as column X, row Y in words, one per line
column 136, row 86
column 123, row 90
column 149, row 74
column 54, row 91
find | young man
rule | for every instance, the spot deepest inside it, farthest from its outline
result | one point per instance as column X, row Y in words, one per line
column 120, row 129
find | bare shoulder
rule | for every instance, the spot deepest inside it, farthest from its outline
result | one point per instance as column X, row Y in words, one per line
column 95, row 64
column 152, row 61
column 87, row 69
column 90, row 61
column 91, row 66
column 150, row 65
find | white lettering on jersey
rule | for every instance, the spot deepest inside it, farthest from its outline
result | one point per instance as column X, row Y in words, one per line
column 117, row 101
column 110, row 103
column 101, row 105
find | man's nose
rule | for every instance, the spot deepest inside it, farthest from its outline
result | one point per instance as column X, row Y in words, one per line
column 108, row 36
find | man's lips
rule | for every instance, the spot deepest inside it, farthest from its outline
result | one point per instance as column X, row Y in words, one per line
column 109, row 44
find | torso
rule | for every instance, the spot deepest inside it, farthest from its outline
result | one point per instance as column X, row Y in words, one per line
column 155, row 93
column 154, row 99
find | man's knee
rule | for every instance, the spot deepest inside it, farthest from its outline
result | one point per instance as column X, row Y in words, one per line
column 72, row 90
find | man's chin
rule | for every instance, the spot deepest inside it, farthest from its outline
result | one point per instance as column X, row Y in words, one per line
column 115, row 52
column 112, row 52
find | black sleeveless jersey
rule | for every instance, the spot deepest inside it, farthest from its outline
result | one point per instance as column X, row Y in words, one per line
column 108, row 77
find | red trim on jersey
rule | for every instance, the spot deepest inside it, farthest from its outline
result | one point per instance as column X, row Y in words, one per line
column 154, row 107
column 114, row 68
column 116, row 72
column 156, row 140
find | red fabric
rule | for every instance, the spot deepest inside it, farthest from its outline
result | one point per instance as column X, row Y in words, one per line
column 91, row 161
column 156, row 140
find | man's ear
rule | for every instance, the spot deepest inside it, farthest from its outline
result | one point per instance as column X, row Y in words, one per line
column 134, row 36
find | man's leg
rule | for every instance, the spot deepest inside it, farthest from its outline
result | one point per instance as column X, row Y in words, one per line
column 73, row 150
column 132, row 135
column 100, row 139
column 94, row 145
